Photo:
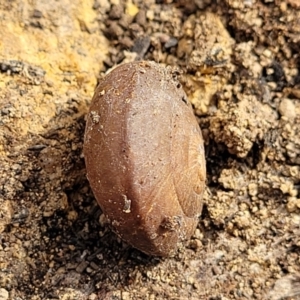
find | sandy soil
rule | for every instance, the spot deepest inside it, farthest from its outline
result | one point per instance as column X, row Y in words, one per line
column 240, row 67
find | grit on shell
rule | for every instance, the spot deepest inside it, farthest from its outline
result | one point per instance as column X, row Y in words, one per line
column 240, row 69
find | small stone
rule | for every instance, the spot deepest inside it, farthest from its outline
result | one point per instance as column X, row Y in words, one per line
column 115, row 30
column 131, row 9
column 287, row 109
column 267, row 53
column 116, row 12
column 292, row 204
column 196, row 244
column 82, row 266
column 92, row 297
column 140, row 18
column 3, row 294
column 253, row 189
column 125, row 296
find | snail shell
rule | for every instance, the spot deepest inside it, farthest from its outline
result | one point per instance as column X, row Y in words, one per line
column 144, row 156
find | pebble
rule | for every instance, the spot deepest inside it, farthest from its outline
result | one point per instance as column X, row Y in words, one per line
column 3, row 294
column 287, row 109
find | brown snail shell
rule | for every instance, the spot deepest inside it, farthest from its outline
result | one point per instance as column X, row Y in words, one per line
column 144, row 156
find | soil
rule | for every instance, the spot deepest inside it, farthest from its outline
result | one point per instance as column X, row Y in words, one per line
column 240, row 67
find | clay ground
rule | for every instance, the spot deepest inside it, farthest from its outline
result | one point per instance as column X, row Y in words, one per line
column 240, row 62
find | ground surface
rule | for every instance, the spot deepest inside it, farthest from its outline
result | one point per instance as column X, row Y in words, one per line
column 240, row 63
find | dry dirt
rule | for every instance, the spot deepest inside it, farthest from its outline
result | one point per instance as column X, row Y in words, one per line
column 240, row 67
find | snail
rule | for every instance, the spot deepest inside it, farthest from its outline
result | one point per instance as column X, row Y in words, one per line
column 144, row 157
